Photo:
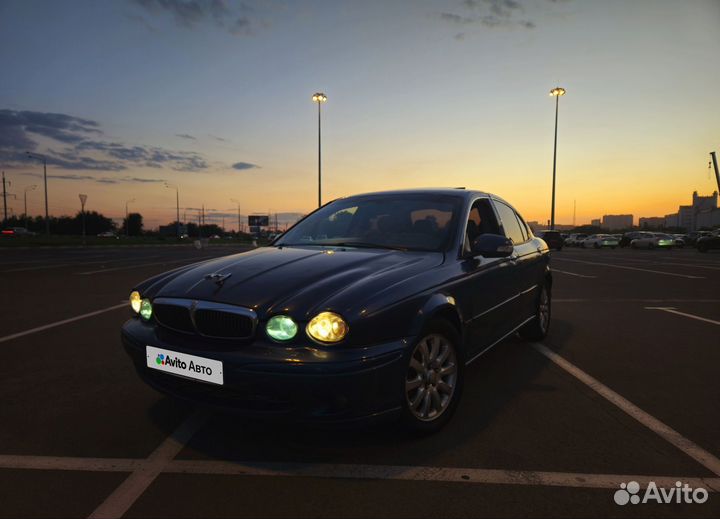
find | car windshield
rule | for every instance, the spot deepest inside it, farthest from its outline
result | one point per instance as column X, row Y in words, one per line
column 405, row 222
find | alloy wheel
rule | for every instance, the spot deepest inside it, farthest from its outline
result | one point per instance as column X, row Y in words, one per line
column 431, row 377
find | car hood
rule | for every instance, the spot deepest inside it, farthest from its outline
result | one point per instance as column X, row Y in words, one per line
column 299, row 281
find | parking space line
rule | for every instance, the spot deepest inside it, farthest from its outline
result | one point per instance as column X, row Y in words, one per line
column 465, row 475
column 11, row 461
column 633, row 300
column 673, row 310
column 60, row 323
column 669, row 434
column 631, row 268
column 140, row 479
column 76, row 264
column 138, row 265
column 410, row 473
column 573, row 274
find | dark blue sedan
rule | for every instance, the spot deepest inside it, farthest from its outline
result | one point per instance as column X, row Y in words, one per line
column 372, row 305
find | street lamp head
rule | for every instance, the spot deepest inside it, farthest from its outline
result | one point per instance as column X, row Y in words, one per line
column 557, row 91
column 319, row 97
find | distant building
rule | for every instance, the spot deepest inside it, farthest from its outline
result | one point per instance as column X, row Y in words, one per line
column 617, row 221
column 595, row 222
column 652, row 222
column 702, row 213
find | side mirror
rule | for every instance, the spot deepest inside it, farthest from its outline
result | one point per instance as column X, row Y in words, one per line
column 492, row 246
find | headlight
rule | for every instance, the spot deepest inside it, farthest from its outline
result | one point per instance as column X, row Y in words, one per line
column 327, row 327
column 135, row 301
column 146, row 309
column 281, row 328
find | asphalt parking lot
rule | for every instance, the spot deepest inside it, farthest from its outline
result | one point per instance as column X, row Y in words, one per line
column 625, row 388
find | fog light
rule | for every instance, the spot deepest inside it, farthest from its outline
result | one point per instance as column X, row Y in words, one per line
column 146, row 309
column 327, row 327
column 281, row 328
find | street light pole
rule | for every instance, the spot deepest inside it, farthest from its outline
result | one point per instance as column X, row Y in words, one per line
column 239, row 223
column 319, row 98
column 555, row 92
column 127, row 218
column 83, row 199
column 44, row 161
column 177, row 206
column 28, row 188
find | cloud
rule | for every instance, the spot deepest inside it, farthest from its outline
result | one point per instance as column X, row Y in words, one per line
column 217, row 138
column 234, row 18
column 488, row 13
column 101, row 180
column 185, row 136
column 15, row 126
column 244, row 165
column 81, row 149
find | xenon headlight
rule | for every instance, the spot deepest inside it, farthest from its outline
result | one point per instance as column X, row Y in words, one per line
column 135, row 301
column 327, row 327
column 281, row 328
column 146, row 309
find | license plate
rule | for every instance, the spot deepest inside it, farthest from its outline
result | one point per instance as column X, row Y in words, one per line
column 184, row 365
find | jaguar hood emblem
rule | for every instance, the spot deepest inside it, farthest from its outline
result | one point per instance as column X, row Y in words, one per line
column 218, row 278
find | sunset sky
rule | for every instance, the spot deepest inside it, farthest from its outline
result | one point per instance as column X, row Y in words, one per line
column 215, row 97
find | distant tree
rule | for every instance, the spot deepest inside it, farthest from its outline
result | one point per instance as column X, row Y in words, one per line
column 132, row 225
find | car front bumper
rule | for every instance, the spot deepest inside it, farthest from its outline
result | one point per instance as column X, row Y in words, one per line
column 264, row 379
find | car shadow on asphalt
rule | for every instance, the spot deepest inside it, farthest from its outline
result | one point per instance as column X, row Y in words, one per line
column 492, row 383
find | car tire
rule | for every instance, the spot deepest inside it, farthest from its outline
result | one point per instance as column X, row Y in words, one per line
column 537, row 329
column 651, row 246
column 421, row 412
column 596, row 245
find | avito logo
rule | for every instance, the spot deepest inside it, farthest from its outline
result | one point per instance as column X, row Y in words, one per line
column 160, row 360
column 630, row 493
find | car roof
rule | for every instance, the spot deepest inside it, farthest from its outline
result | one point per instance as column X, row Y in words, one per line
column 460, row 192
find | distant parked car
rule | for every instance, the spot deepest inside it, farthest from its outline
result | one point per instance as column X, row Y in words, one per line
column 630, row 236
column 691, row 238
column 17, row 231
column 711, row 241
column 108, row 234
column 574, row 240
column 597, row 241
column 679, row 240
column 552, row 238
column 653, row 240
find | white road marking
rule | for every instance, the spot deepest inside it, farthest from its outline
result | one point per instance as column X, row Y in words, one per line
column 138, row 265
column 573, row 274
column 670, row 435
column 351, row 471
column 136, row 483
column 673, row 310
column 631, row 300
column 11, row 461
column 631, row 268
column 60, row 323
column 76, row 264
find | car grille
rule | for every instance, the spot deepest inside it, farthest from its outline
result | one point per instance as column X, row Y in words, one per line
column 216, row 320
column 214, row 323
column 174, row 317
